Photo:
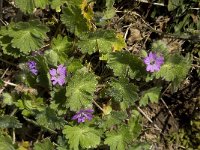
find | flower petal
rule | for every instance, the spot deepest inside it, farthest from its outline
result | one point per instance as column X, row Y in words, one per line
column 147, row 61
column 153, row 62
column 83, row 115
column 53, row 72
column 54, row 82
column 61, row 70
column 32, row 67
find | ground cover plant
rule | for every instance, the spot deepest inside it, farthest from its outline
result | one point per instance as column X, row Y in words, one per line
column 99, row 74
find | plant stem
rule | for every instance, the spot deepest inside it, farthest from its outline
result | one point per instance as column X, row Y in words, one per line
column 9, row 83
column 149, row 119
column 35, row 123
column 97, row 105
column 14, row 137
column 5, row 61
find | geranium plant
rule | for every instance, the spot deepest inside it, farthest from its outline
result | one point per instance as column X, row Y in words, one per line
column 76, row 83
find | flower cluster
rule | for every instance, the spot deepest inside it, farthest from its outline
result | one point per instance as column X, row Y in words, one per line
column 32, row 67
column 153, row 62
column 58, row 75
column 83, row 115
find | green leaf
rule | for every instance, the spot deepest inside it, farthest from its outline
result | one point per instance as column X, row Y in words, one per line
column 26, row 6
column 5, row 42
column 115, row 118
column 62, row 143
column 160, row 47
column 109, row 13
column 84, row 136
column 101, row 40
column 58, row 100
column 30, row 104
column 61, row 47
column 118, row 140
column 140, row 146
column 74, row 20
column 173, row 4
column 58, row 95
column 74, row 65
column 41, row 3
column 87, row 11
column 80, row 90
column 143, row 53
column 152, row 94
column 61, row 44
column 57, row 4
column 123, row 91
column 43, row 77
column 9, row 122
column 44, row 145
column 33, row 33
column 52, row 57
column 74, row 3
column 182, row 25
column 8, row 99
column 22, row 106
column 1, row 82
column 34, row 103
column 110, row 10
column 124, row 63
column 134, row 124
column 175, row 68
column 6, row 143
column 48, row 118
column 120, row 43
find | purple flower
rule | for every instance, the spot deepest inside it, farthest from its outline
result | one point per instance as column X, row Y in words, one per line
column 58, row 75
column 153, row 62
column 32, row 67
column 83, row 115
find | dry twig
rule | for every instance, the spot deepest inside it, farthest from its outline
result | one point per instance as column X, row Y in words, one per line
column 149, row 119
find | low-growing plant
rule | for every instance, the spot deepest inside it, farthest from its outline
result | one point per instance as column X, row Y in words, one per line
column 75, row 81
